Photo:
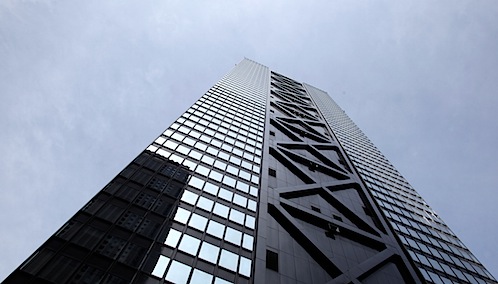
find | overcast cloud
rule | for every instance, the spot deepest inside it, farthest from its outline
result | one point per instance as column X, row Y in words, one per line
column 86, row 85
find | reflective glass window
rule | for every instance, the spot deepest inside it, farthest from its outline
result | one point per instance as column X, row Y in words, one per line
column 196, row 182
column 246, row 165
column 211, row 188
column 170, row 144
column 152, row 148
column 205, row 203
column 253, row 191
column 245, row 175
column 163, row 153
column 182, row 215
column 160, row 267
column 250, row 148
column 239, row 200
column 223, row 155
column 189, row 197
column 216, row 176
column 209, row 252
column 233, row 170
column 202, row 170
column 218, row 280
column 245, row 266
column 233, row 236
column 251, row 205
column 184, row 129
column 198, row 222
column 216, row 229
column 193, row 134
column 235, row 160
column 250, row 222
column 189, row 141
column 176, row 158
column 237, row 152
column 206, row 138
column 199, row 128
column 227, row 147
column 236, row 216
column 200, row 277
column 210, row 132
column 173, row 238
column 228, row 260
column 229, row 181
column 230, row 140
column 189, row 123
column 182, row 149
column 200, row 146
column 212, row 151
column 225, row 194
column 239, row 144
column 189, row 245
column 220, row 165
column 216, row 143
column 178, row 272
column 195, row 155
column 244, row 187
column 168, row 132
column 247, row 241
column 221, row 210
column 160, row 140
column 189, row 164
column 248, row 156
column 208, row 160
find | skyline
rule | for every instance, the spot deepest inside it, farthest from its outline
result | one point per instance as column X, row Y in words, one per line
column 57, row 76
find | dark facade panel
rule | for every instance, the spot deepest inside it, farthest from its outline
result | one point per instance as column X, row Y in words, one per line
column 319, row 213
column 117, row 236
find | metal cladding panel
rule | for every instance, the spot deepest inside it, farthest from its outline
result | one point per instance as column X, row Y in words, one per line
column 316, row 221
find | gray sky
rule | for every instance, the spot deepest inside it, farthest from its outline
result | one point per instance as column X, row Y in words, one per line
column 86, row 85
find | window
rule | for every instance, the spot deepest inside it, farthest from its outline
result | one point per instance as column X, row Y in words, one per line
column 209, row 252
column 272, row 172
column 199, row 276
column 247, row 242
column 271, row 260
column 182, row 215
column 198, row 222
column 245, row 266
column 178, row 272
column 233, row 236
column 160, row 267
column 189, row 245
column 228, row 260
column 216, row 229
column 205, row 203
column 173, row 238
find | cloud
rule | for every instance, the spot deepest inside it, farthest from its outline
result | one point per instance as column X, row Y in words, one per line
column 86, row 85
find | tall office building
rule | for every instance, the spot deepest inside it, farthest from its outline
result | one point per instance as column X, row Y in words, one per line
column 263, row 180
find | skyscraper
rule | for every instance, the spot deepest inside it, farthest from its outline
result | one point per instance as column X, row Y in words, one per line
column 264, row 179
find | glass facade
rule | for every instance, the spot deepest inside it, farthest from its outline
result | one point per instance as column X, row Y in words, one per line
column 262, row 180
column 220, row 138
column 439, row 255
